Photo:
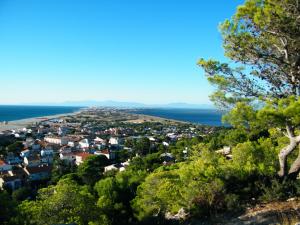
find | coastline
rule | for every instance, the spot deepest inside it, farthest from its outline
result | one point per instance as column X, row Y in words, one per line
column 20, row 124
column 144, row 117
column 204, row 117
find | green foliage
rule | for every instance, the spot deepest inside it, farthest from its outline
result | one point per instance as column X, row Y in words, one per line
column 253, row 157
column 263, row 37
column 148, row 163
column 228, row 138
column 67, row 202
column 142, row 146
column 278, row 190
column 194, row 187
column 208, row 183
column 15, row 148
column 61, row 168
column 242, row 116
column 277, row 113
column 7, row 208
column 91, row 170
column 21, row 194
column 122, row 155
column 181, row 145
column 115, row 194
column 158, row 194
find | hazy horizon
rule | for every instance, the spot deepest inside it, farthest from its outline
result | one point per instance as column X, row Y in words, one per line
column 113, row 103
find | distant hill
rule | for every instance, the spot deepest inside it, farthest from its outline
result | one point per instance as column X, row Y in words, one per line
column 108, row 103
column 120, row 104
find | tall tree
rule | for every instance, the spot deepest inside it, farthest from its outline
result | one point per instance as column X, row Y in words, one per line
column 67, row 202
column 142, row 146
column 91, row 170
column 7, row 208
column 263, row 39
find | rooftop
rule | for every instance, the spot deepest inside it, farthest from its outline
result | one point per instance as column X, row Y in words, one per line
column 38, row 169
column 2, row 163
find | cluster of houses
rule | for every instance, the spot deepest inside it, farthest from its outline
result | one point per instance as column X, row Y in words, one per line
column 73, row 142
column 35, row 161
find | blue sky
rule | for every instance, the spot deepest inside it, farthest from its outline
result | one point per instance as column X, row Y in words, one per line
column 126, row 50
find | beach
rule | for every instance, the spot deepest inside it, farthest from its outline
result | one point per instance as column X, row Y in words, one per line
column 20, row 124
column 148, row 118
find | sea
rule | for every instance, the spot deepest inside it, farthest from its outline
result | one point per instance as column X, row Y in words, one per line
column 211, row 117
column 14, row 112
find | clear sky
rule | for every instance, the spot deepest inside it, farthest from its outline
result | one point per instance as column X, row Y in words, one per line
column 125, row 50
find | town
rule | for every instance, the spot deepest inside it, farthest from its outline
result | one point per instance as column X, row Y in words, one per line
column 28, row 156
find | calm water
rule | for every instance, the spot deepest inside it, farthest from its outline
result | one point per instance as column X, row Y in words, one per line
column 9, row 113
column 201, row 116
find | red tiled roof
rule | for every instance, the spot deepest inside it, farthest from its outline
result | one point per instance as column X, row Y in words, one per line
column 42, row 143
column 2, row 163
column 83, row 155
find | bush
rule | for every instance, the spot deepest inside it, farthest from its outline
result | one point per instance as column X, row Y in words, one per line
column 280, row 190
column 21, row 194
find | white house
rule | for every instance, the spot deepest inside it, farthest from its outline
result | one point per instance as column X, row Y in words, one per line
column 84, row 143
column 118, row 167
column 19, row 135
column 65, row 149
column 109, row 154
column 151, row 139
column 113, row 141
column 62, row 131
column 29, row 142
column 25, row 153
column 99, row 140
column 81, row 157
column 72, row 143
column 46, row 152
column 43, row 130
column 56, row 140
column 225, row 151
column 172, row 136
column 165, row 143
column 67, row 156
column 47, row 156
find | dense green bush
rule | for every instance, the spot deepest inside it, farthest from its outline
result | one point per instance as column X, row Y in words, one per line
column 208, row 183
